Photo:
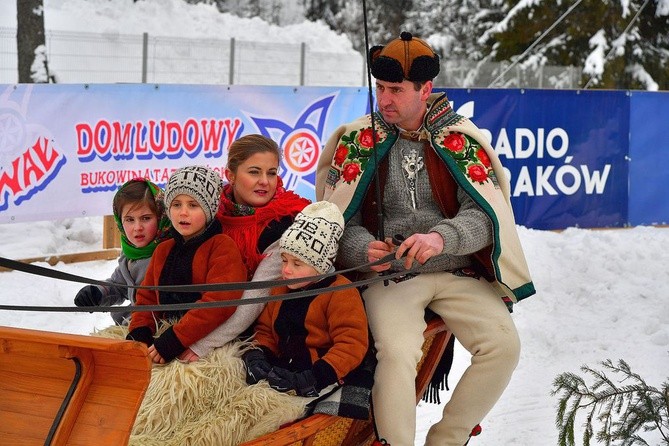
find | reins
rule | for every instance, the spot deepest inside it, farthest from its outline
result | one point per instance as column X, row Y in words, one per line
column 59, row 275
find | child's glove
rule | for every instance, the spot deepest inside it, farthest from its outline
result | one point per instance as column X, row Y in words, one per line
column 303, row 383
column 88, row 296
column 257, row 367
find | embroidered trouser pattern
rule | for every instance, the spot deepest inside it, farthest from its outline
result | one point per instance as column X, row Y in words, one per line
column 480, row 321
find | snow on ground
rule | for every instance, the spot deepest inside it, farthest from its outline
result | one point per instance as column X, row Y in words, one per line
column 602, row 294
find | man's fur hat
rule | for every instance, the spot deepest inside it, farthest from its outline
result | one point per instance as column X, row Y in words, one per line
column 405, row 58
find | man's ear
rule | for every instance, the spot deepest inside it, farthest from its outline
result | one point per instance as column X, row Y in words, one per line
column 426, row 90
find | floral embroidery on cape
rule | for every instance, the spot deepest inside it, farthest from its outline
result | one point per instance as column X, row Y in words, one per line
column 354, row 151
column 470, row 157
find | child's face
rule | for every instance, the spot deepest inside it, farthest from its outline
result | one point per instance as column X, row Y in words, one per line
column 139, row 223
column 294, row 268
column 187, row 216
column 254, row 182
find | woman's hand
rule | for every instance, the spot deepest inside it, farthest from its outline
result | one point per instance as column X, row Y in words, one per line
column 188, row 356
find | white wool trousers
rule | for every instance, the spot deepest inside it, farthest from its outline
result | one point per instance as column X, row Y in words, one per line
column 480, row 321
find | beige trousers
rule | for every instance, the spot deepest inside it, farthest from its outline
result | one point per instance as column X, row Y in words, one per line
column 480, row 321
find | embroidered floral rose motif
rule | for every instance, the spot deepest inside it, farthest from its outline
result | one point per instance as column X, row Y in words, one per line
column 455, row 142
column 354, row 151
column 483, row 157
column 470, row 158
column 341, row 154
column 351, row 171
column 477, row 172
column 366, row 138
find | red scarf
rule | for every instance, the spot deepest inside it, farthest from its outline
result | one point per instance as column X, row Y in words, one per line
column 246, row 229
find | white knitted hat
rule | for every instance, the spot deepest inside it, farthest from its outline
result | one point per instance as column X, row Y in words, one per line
column 314, row 235
column 199, row 182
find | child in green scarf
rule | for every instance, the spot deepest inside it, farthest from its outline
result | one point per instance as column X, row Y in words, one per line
column 140, row 216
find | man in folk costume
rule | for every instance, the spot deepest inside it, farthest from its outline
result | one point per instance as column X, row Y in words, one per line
column 442, row 188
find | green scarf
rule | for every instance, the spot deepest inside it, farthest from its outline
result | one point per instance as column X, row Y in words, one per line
column 131, row 251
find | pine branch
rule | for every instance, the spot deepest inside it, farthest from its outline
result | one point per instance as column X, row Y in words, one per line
column 621, row 411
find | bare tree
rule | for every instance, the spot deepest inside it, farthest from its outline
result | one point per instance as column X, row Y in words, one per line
column 31, row 42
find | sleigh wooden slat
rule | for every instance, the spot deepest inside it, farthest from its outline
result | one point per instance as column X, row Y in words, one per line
column 63, row 389
column 328, row 430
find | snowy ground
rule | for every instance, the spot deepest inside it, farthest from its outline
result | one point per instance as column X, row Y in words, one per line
column 601, row 295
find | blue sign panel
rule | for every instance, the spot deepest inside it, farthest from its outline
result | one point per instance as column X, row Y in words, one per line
column 565, row 151
column 649, row 154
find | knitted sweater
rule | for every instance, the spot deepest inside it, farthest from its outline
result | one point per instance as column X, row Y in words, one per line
column 346, row 170
column 467, row 232
column 326, row 333
column 209, row 258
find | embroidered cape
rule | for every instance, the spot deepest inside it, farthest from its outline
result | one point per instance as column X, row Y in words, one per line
column 347, row 166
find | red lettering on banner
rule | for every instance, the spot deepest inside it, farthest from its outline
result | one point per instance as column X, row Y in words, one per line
column 84, row 132
column 173, row 137
column 158, row 144
column 102, row 138
column 140, row 143
column 30, row 171
column 155, row 138
column 47, row 161
column 212, row 136
column 232, row 126
column 191, row 136
column 122, row 138
column 11, row 182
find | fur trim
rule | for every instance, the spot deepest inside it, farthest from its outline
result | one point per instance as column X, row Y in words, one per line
column 208, row 401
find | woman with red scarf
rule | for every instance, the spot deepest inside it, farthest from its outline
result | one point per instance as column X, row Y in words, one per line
column 255, row 210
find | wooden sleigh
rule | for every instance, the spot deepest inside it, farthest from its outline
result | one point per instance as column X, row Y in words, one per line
column 328, row 430
column 62, row 389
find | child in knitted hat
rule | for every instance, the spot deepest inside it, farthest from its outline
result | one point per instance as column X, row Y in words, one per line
column 312, row 345
column 198, row 253
column 140, row 217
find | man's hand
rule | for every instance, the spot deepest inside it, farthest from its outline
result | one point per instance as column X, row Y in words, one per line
column 377, row 250
column 420, row 247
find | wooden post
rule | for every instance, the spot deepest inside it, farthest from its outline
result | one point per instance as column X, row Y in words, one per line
column 111, row 237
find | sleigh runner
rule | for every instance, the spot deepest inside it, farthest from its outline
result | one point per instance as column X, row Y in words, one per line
column 62, row 389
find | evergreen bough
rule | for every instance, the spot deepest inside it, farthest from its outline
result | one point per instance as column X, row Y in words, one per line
column 623, row 411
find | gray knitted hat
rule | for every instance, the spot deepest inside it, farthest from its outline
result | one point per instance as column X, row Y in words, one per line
column 314, row 235
column 199, row 182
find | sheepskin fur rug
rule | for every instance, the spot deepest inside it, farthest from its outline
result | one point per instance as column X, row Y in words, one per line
column 207, row 402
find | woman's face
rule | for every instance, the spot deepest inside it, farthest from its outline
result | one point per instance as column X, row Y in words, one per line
column 254, row 182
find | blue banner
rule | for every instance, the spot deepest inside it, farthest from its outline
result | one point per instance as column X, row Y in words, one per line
column 649, row 154
column 575, row 158
column 565, row 152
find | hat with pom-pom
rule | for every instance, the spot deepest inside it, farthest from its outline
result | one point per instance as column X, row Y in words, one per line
column 405, row 58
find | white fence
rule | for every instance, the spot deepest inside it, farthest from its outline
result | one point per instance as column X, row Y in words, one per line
column 76, row 57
